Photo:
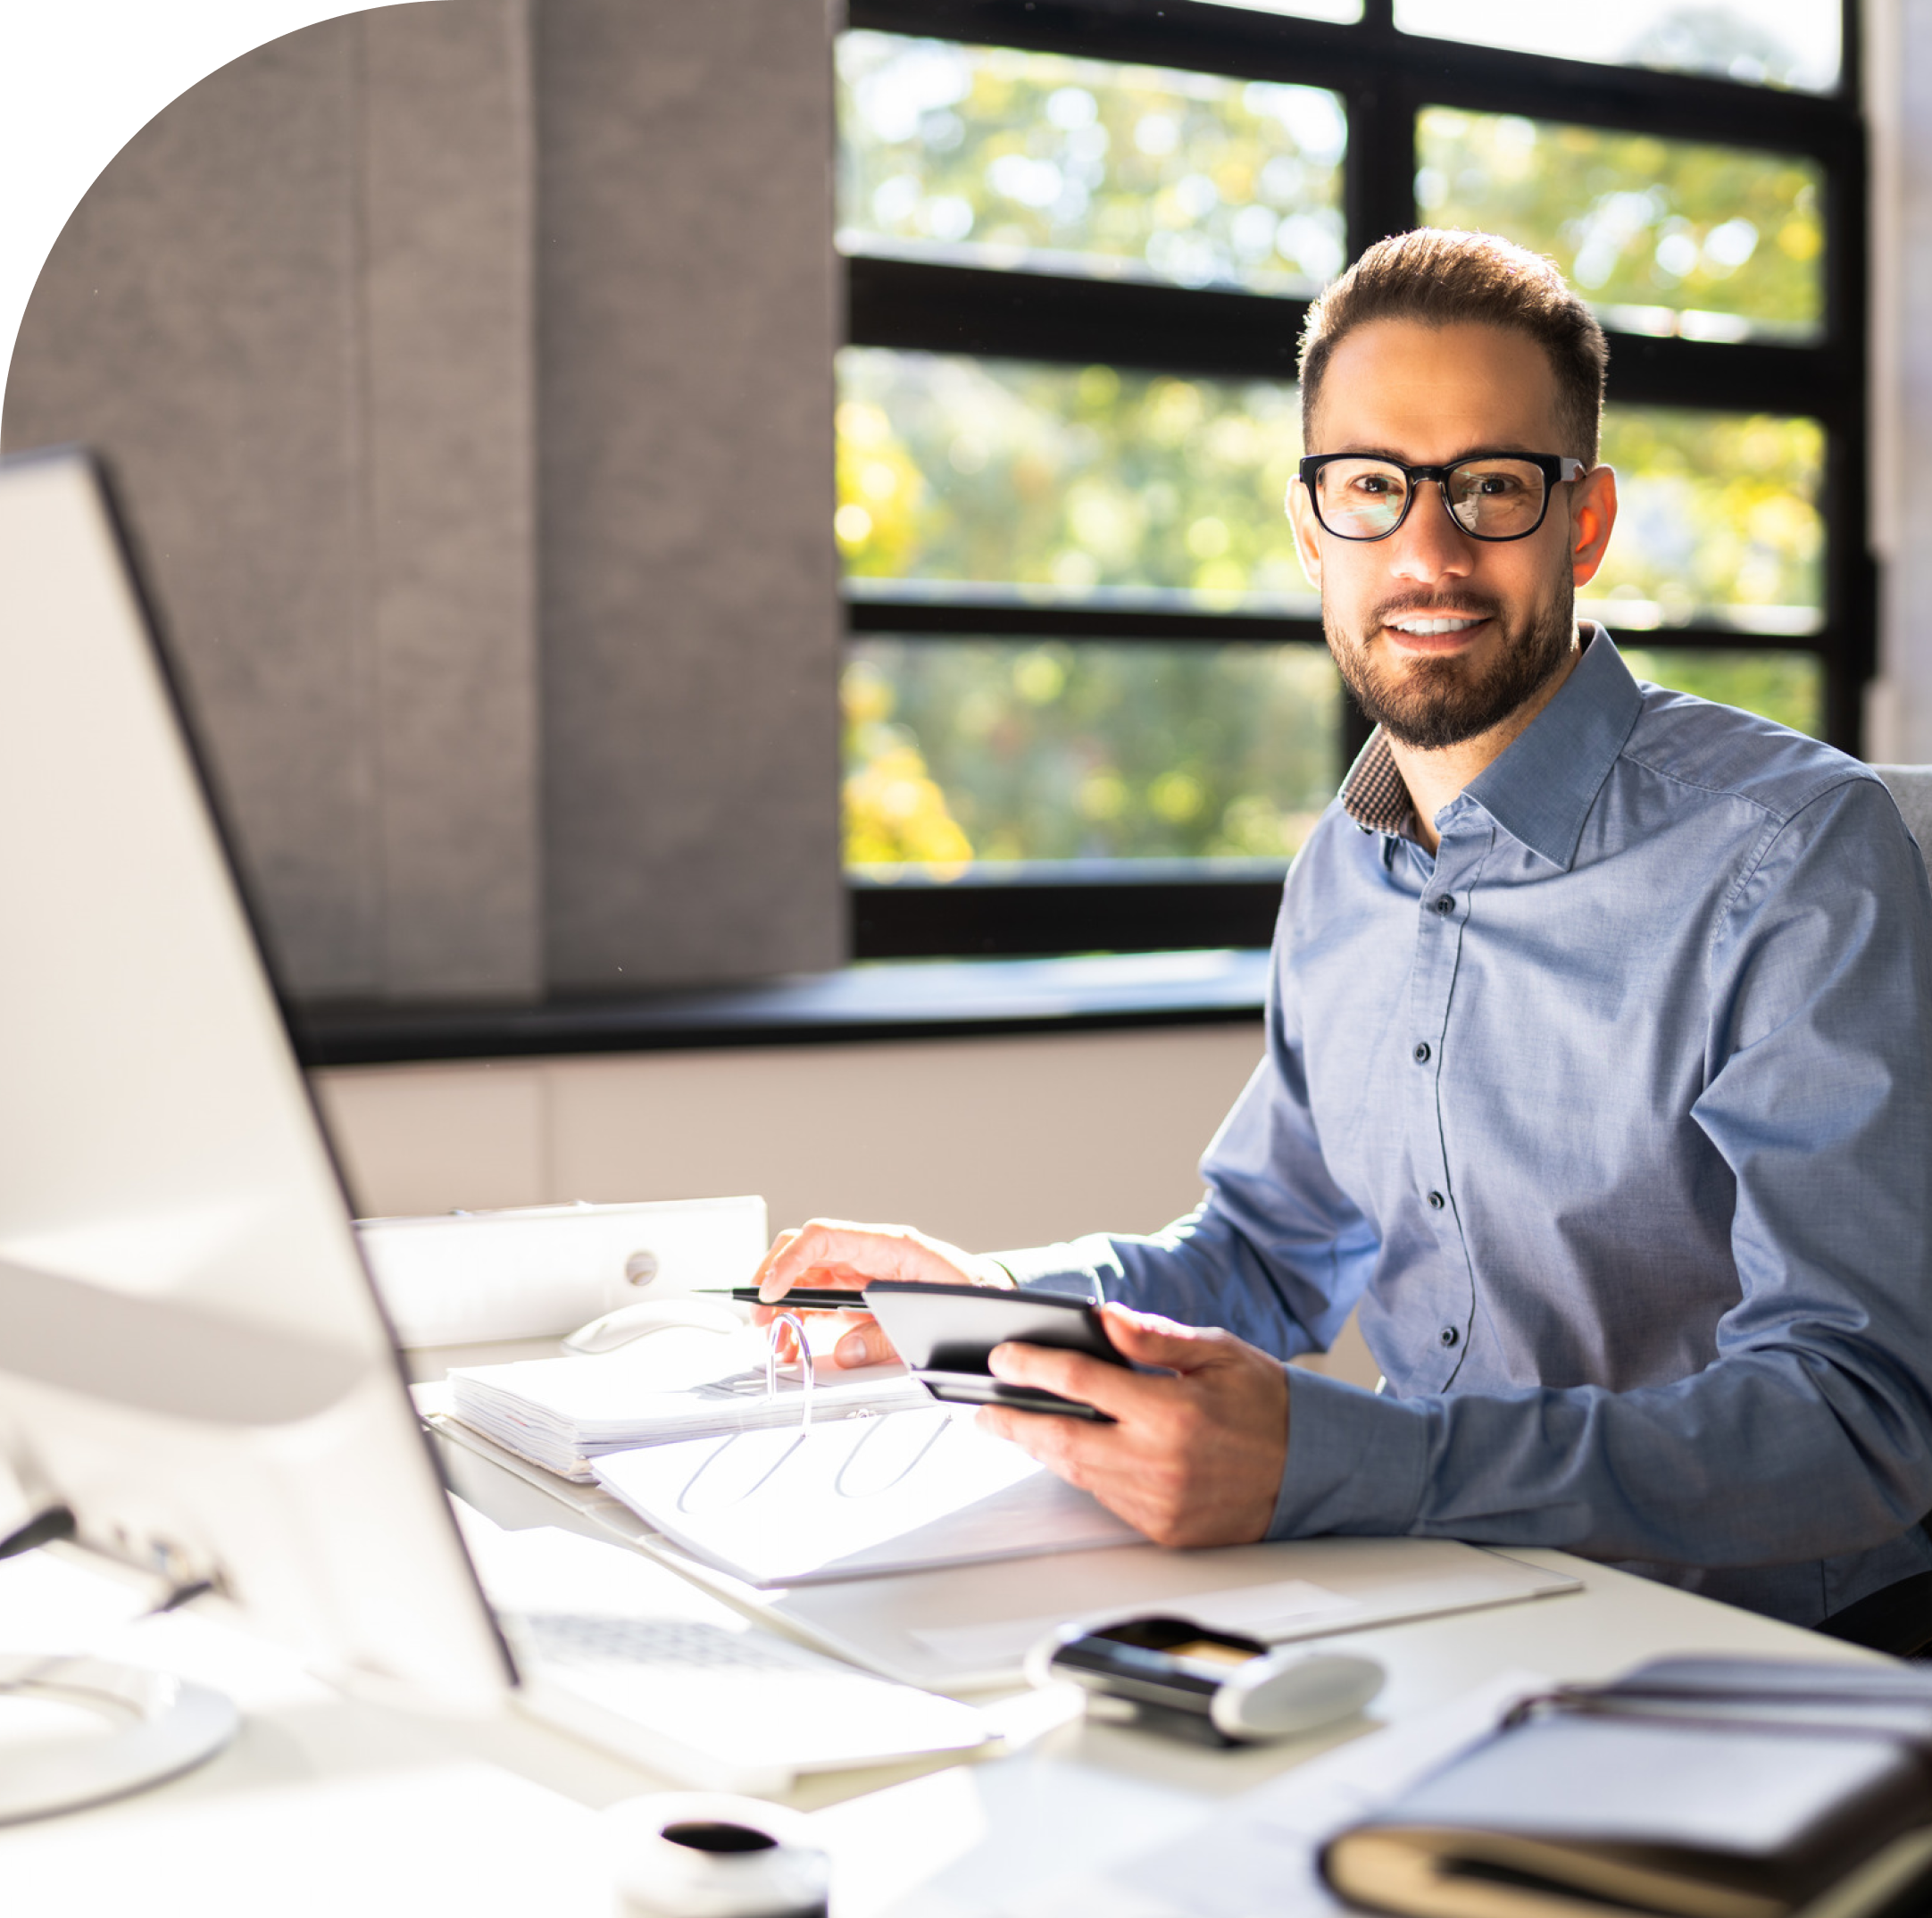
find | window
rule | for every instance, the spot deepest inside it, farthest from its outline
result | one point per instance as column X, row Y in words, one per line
column 1087, row 706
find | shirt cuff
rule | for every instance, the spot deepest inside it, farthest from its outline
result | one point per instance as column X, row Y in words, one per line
column 1060, row 1267
column 1356, row 1462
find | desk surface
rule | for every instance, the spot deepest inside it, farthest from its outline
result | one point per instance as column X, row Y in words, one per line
column 327, row 1804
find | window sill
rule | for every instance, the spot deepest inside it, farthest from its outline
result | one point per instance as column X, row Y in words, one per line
column 923, row 999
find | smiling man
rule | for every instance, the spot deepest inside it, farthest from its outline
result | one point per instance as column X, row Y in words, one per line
column 1597, row 1073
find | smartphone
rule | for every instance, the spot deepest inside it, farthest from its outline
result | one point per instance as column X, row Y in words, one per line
column 946, row 1333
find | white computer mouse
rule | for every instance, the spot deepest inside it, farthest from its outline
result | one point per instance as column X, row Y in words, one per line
column 619, row 1328
column 1292, row 1690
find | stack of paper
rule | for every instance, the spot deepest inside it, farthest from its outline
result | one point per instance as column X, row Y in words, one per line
column 562, row 1413
column 858, row 1500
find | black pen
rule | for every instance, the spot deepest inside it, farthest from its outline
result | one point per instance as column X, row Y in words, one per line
column 804, row 1298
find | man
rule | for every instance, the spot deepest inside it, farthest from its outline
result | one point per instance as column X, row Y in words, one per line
column 1598, row 1074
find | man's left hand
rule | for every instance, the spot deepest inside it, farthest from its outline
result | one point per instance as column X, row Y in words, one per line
column 1195, row 1459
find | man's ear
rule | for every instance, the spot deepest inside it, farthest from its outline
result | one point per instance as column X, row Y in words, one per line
column 1302, row 523
column 1592, row 513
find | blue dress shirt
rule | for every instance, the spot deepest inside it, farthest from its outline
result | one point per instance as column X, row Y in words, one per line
column 1614, row 1119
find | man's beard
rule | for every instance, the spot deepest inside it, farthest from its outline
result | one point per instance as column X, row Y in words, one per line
column 1443, row 701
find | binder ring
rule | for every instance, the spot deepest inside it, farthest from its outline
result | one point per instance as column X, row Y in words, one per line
column 805, row 1366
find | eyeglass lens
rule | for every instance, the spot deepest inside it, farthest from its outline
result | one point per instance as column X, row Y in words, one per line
column 1493, row 499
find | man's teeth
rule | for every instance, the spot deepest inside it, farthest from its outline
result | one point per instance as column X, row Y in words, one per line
column 1429, row 628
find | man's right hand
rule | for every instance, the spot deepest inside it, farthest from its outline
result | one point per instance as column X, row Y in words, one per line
column 834, row 1255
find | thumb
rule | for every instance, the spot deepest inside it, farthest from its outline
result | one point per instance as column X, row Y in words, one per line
column 1148, row 1340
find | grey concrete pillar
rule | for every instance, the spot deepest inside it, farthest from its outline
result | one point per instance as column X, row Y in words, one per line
column 450, row 463
column 687, row 292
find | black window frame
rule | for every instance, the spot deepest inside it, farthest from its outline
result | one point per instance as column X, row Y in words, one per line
column 1385, row 77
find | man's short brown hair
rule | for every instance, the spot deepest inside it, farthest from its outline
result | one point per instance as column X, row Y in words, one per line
column 1444, row 278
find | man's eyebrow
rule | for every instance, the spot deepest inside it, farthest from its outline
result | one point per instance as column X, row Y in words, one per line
column 1474, row 450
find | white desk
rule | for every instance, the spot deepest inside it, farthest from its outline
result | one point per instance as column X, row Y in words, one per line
column 328, row 1805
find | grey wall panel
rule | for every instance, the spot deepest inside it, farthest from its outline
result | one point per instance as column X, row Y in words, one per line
column 448, row 205
column 198, row 321
column 468, row 737
column 687, row 303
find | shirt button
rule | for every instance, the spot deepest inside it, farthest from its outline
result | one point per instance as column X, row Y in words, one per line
column 1421, row 1053
column 1445, row 902
column 1449, row 1335
column 1437, row 1202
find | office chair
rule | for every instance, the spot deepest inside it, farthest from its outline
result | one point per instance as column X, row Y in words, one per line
column 1897, row 1619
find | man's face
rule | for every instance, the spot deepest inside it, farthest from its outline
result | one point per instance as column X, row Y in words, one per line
column 1441, row 636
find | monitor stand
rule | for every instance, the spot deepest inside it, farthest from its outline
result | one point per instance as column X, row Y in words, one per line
column 158, row 1727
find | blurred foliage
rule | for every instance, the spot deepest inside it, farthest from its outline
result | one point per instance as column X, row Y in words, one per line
column 1665, row 236
column 989, row 156
column 1100, row 486
column 1065, row 479
column 1081, row 482
column 1786, row 686
column 1100, row 751
column 1776, row 43
column 1718, row 514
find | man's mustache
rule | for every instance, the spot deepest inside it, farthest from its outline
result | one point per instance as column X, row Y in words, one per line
column 1438, row 605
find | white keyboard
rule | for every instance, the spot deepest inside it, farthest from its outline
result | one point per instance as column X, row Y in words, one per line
column 573, row 1639
column 727, row 1707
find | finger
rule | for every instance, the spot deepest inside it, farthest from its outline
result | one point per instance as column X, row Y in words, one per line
column 865, row 1344
column 849, row 1254
column 777, row 1245
column 1101, row 1460
column 1071, row 1448
column 1149, row 1340
column 996, row 1423
column 1113, row 1389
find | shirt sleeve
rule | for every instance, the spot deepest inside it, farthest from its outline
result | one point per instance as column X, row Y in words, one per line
column 1811, row 1433
column 1274, row 1253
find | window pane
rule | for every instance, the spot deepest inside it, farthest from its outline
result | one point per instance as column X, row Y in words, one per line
column 1664, row 235
column 1786, row 686
column 983, row 750
column 1718, row 519
column 989, row 156
column 1775, row 43
column 1344, row 11
column 1071, row 485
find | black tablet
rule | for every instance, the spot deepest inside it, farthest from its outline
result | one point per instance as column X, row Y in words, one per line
column 946, row 1333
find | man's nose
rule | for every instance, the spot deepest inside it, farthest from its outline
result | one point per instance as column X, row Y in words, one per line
column 1428, row 546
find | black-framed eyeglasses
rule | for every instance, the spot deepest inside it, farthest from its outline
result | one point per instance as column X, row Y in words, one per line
column 1488, row 495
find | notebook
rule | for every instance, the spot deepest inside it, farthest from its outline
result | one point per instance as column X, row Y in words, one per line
column 1701, row 1788
column 859, row 1498
column 565, row 1413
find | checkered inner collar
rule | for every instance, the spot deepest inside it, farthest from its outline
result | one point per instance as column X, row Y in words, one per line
column 1375, row 795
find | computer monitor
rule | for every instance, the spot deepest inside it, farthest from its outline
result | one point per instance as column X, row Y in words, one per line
column 193, row 1361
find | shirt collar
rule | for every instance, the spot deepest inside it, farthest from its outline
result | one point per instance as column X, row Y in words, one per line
column 1541, row 787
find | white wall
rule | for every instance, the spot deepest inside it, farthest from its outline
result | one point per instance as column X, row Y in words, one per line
column 1898, row 87
column 988, row 1142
